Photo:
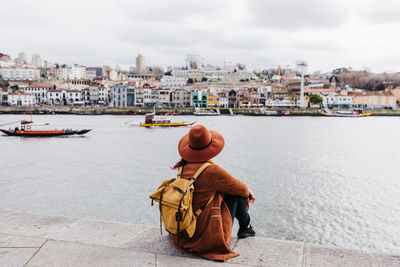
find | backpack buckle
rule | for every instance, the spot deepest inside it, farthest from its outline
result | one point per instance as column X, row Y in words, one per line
column 178, row 216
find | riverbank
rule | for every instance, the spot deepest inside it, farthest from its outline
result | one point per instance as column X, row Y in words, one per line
column 39, row 240
column 182, row 111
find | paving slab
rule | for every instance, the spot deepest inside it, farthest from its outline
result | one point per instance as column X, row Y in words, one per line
column 102, row 233
column 257, row 251
column 388, row 260
column 316, row 256
column 20, row 223
column 61, row 253
column 150, row 240
column 166, row 260
column 17, row 241
column 11, row 257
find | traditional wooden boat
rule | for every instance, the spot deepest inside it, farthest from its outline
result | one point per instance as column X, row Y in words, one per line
column 162, row 121
column 26, row 130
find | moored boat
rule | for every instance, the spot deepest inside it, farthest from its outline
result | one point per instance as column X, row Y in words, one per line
column 349, row 113
column 161, row 121
column 26, row 130
column 206, row 112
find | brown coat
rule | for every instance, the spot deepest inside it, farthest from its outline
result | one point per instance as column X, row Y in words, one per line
column 214, row 225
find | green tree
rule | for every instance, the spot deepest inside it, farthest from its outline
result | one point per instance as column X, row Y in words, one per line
column 190, row 81
column 204, row 79
column 316, row 99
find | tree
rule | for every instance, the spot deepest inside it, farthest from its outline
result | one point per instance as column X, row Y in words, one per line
column 316, row 99
column 204, row 79
column 168, row 73
column 190, row 81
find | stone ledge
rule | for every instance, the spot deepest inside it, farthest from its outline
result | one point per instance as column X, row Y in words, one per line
column 41, row 240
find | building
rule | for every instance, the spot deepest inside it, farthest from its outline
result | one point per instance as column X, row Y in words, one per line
column 173, row 82
column 180, row 98
column 73, row 72
column 93, row 72
column 212, row 99
column 19, row 98
column 36, row 60
column 384, row 99
column 39, row 91
column 140, row 64
column 104, row 95
column 164, row 98
column 232, row 99
column 4, row 57
column 333, row 100
column 227, row 73
column 64, row 97
column 223, row 99
column 20, row 73
column 3, row 97
column 199, row 98
column 123, row 96
column 22, row 59
column 150, row 95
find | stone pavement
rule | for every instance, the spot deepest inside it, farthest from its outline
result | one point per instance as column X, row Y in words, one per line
column 40, row 240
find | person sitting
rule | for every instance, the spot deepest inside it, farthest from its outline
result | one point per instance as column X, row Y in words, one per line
column 213, row 233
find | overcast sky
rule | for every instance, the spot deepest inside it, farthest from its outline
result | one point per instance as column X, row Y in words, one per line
column 259, row 33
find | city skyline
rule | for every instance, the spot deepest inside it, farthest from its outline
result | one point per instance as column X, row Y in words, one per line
column 328, row 34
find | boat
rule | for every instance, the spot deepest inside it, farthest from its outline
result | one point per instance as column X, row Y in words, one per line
column 276, row 112
column 348, row 113
column 26, row 130
column 150, row 120
column 206, row 112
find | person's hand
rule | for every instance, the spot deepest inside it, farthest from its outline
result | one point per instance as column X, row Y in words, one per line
column 252, row 197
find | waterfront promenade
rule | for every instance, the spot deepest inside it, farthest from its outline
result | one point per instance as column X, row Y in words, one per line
column 40, row 240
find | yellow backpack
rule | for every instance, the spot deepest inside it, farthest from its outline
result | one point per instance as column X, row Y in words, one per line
column 175, row 198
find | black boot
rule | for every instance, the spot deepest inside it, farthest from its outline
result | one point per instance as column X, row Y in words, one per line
column 246, row 232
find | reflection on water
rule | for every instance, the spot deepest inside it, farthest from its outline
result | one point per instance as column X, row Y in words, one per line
column 330, row 181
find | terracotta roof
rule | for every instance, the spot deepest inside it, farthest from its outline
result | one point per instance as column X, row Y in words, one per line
column 20, row 93
column 320, row 90
column 276, row 90
column 379, row 93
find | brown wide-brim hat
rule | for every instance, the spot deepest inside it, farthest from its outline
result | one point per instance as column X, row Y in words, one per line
column 200, row 144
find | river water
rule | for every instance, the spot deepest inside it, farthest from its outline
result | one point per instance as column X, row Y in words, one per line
column 331, row 181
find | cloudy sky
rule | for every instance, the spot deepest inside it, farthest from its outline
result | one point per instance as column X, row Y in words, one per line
column 259, row 33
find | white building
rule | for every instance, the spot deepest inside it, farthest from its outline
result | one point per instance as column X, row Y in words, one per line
column 333, row 99
column 150, row 96
column 20, row 73
column 123, row 96
column 39, row 91
column 36, row 60
column 22, row 59
column 173, row 82
column 20, row 99
column 215, row 73
column 64, row 97
column 104, row 94
column 164, row 97
column 73, row 72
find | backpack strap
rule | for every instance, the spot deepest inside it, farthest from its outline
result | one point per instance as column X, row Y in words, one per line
column 201, row 169
column 179, row 175
column 199, row 211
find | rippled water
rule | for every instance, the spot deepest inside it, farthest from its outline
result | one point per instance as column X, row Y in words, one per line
column 333, row 181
